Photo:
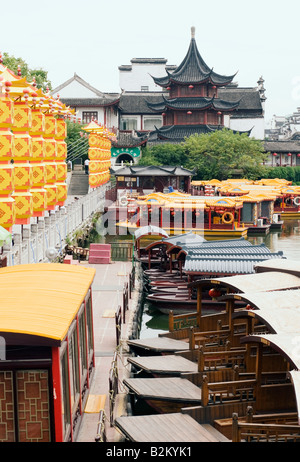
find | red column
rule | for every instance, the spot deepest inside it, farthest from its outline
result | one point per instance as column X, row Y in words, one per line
column 57, row 396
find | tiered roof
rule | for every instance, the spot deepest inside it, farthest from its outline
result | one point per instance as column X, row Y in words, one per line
column 193, row 103
column 193, row 70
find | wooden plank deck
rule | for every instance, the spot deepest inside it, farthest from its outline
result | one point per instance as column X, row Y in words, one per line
column 166, row 428
column 159, row 344
column 166, row 388
column 170, row 364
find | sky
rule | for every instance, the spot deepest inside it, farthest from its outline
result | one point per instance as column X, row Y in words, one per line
column 251, row 37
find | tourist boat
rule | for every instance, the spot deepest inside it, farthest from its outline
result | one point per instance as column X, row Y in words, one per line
column 50, row 307
column 178, row 213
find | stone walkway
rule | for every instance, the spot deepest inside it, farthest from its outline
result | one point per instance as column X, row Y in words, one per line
column 107, row 295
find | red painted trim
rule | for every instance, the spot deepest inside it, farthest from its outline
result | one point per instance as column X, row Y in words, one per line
column 92, row 319
column 69, row 388
column 57, row 396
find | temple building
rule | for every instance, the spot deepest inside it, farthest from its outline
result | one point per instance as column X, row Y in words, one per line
column 193, row 104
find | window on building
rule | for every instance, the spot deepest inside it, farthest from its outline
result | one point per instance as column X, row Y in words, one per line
column 88, row 116
column 151, row 122
column 128, row 123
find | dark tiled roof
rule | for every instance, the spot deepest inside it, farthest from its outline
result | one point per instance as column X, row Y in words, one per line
column 136, row 102
column 193, row 103
column 126, row 139
column 179, row 132
column 108, row 100
column 282, row 146
column 193, row 69
column 248, row 98
column 140, row 170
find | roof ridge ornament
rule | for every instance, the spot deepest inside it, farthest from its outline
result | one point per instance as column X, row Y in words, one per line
column 193, row 32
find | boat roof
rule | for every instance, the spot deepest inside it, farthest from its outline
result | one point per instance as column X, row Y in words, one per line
column 284, row 266
column 257, row 282
column 41, row 300
column 280, row 310
column 214, row 263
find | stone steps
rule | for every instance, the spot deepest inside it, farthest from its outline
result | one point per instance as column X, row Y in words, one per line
column 79, row 184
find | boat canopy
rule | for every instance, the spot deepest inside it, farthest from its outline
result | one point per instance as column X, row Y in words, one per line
column 41, row 300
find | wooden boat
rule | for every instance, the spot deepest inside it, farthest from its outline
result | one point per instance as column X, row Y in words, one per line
column 205, row 216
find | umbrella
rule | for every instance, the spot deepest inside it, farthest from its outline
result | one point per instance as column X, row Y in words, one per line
column 5, row 236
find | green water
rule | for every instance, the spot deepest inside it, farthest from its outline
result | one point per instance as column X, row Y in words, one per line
column 287, row 240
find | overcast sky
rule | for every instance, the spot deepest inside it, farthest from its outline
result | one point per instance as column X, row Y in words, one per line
column 93, row 38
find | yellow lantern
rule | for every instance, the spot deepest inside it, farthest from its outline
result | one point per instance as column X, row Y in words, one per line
column 22, row 176
column 39, row 199
column 62, row 192
column 51, row 191
column 7, row 184
column 23, row 207
column 7, row 213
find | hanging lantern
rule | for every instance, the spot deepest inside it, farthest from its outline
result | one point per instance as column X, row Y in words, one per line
column 191, row 86
column 298, row 155
column 39, row 199
column 274, row 154
column 189, row 112
column 8, row 213
column 23, row 207
column 289, row 154
column 214, row 293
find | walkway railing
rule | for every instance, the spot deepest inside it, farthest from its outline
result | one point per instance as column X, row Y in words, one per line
column 32, row 242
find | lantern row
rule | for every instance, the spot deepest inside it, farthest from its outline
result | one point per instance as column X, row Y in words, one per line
column 33, row 152
column 99, row 154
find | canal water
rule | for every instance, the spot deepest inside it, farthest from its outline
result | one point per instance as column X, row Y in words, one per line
column 287, row 240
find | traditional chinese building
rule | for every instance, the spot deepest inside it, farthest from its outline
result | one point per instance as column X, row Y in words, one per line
column 193, row 105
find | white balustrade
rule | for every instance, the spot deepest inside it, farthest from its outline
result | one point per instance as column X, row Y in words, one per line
column 30, row 242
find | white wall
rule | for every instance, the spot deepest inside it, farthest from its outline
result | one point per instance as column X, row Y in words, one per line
column 258, row 130
column 141, row 75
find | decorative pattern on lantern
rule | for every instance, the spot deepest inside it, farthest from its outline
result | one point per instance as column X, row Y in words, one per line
column 22, row 116
column 38, row 174
column 39, row 199
column 62, row 192
column 61, row 129
column 61, row 172
column 51, row 172
column 23, row 178
column 51, row 191
column 23, row 207
column 7, row 213
column 6, row 144
column 23, row 146
column 61, row 150
column 7, row 174
column 6, row 112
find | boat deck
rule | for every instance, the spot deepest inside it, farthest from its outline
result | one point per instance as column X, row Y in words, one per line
column 159, row 344
column 166, row 388
column 167, row 428
column 170, row 364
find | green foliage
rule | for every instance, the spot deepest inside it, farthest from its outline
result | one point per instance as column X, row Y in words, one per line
column 77, row 141
column 41, row 76
column 219, row 154
column 287, row 173
column 165, row 154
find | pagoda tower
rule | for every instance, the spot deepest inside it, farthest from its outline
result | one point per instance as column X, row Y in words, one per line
column 192, row 105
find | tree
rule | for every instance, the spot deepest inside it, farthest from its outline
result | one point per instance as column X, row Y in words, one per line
column 41, row 76
column 164, row 154
column 77, row 141
column 221, row 153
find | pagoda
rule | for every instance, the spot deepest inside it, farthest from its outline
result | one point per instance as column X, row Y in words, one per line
column 192, row 105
